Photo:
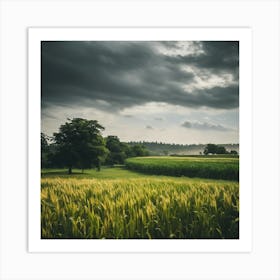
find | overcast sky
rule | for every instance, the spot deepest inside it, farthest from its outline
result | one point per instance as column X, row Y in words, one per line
column 172, row 92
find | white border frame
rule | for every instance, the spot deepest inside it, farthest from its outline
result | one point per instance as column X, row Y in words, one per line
column 243, row 35
column 263, row 17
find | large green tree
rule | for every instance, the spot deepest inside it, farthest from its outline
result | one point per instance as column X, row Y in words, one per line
column 117, row 152
column 80, row 144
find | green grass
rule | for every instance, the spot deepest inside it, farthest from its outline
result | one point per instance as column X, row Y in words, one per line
column 226, row 168
column 105, row 173
column 118, row 203
column 117, row 172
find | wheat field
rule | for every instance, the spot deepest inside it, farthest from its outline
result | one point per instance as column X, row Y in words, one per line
column 139, row 208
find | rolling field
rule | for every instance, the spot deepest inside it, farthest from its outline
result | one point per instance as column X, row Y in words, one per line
column 119, row 203
column 203, row 167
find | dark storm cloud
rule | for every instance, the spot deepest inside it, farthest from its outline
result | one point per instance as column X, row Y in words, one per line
column 217, row 56
column 149, row 127
column 204, row 126
column 187, row 124
column 116, row 75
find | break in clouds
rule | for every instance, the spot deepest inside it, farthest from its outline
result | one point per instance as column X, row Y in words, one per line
column 179, row 92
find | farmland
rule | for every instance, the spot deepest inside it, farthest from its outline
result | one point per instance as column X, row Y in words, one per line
column 204, row 167
column 118, row 203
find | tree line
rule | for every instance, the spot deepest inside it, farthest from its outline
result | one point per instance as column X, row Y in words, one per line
column 217, row 150
column 80, row 144
column 159, row 148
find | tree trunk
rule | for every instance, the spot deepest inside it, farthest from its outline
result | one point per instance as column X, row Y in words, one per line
column 70, row 170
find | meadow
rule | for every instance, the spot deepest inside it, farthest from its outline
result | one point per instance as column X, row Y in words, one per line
column 117, row 203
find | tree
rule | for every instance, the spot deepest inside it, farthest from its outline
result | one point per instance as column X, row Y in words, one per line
column 80, row 144
column 117, row 152
column 210, row 149
column 126, row 148
column 139, row 150
column 221, row 150
column 214, row 149
column 44, row 142
column 44, row 150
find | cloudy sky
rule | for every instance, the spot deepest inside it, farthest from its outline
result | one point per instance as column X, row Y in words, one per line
column 173, row 92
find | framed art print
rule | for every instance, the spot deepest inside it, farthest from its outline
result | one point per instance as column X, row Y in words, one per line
column 140, row 139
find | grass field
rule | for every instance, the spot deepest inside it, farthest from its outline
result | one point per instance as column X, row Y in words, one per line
column 203, row 167
column 120, row 203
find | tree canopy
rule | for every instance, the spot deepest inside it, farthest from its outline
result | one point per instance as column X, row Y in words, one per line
column 80, row 144
column 214, row 149
column 119, row 151
column 116, row 149
column 44, row 150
